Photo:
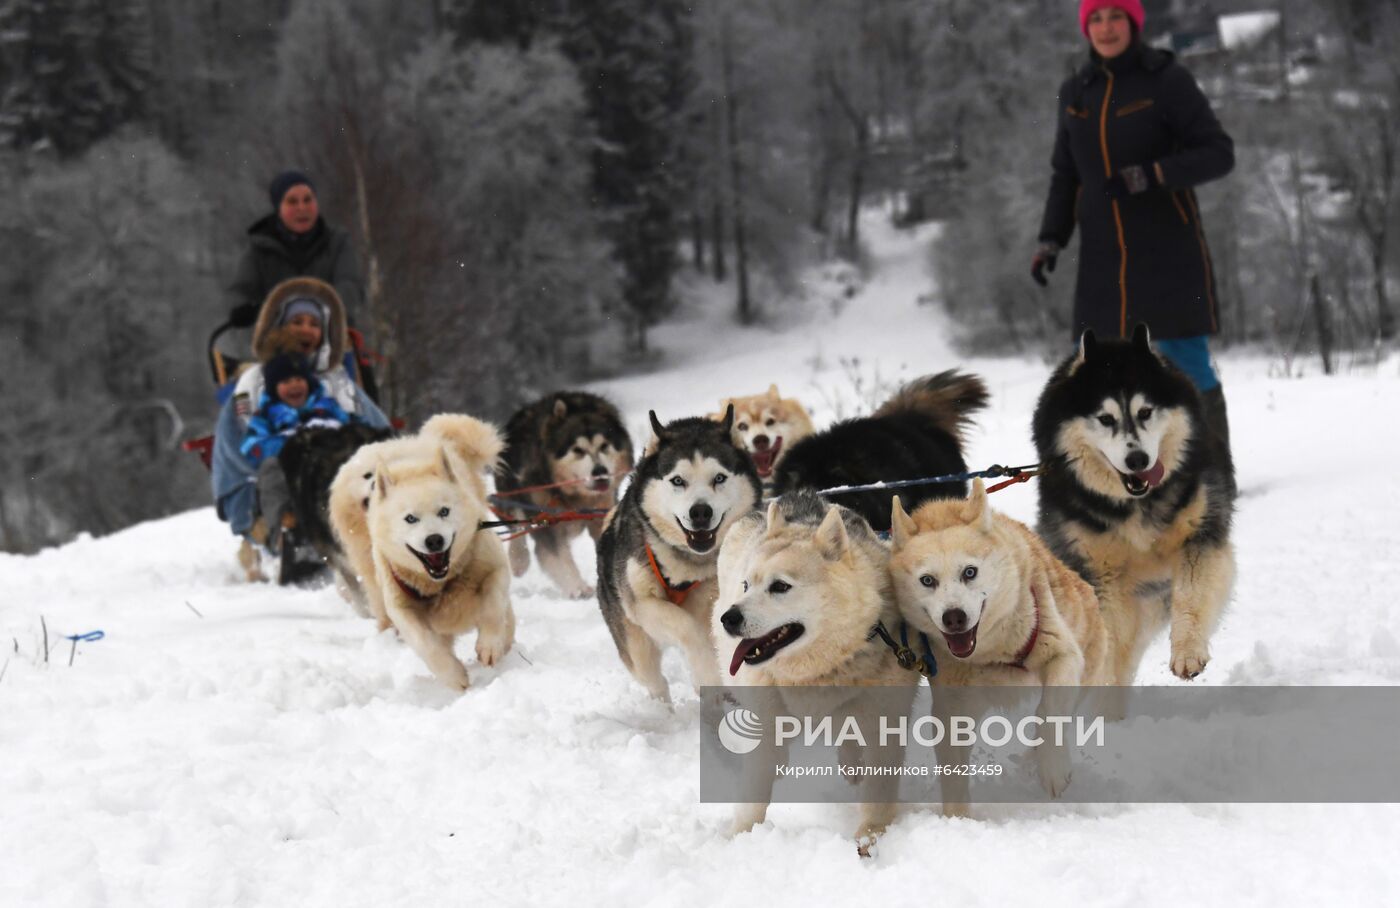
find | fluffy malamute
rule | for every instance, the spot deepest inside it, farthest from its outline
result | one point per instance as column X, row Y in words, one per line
column 573, row 443
column 1137, row 496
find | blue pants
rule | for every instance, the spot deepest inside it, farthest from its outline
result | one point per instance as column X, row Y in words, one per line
column 1192, row 356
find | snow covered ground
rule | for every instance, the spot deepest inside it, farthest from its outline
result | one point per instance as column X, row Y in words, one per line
column 229, row 744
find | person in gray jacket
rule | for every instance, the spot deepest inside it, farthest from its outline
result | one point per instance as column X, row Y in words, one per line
column 294, row 241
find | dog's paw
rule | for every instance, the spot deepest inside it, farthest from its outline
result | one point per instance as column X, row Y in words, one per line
column 580, row 592
column 519, row 557
column 1113, row 703
column 956, row 809
column 1189, row 660
column 1055, row 770
column 746, row 817
column 867, row 835
column 492, row 648
column 455, row 678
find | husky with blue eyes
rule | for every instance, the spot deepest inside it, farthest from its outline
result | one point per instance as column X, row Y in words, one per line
column 436, row 574
column 1000, row 610
column 656, row 556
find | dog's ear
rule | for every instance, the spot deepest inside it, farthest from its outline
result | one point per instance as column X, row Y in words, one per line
column 457, row 472
column 977, row 513
column 773, row 393
column 1142, row 339
column 831, row 540
column 1088, row 347
column 561, row 409
column 902, row 526
column 728, row 421
column 657, row 428
column 775, row 519
column 475, row 443
column 382, row 481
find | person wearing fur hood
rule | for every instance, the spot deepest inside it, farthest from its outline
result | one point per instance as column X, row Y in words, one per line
column 305, row 316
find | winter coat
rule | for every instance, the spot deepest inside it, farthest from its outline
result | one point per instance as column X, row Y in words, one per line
column 1142, row 258
column 269, row 339
column 275, row 254
column 275, row 422
column 232, row 477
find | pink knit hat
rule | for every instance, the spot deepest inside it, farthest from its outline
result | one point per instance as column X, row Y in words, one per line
column 1087, row 7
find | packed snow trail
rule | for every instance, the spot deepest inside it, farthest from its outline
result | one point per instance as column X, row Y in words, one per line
column 235, row 744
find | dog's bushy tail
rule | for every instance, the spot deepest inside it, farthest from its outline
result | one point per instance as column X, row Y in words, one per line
column 476, row 442
column 947, row 399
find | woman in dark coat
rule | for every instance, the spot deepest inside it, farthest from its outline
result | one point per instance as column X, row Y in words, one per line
column 294, row 241
column 1135, row 136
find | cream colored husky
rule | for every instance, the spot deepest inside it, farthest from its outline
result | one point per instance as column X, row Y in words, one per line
column 801, row 589
column 1002, row 610
column 767, row 425
column 432, row 572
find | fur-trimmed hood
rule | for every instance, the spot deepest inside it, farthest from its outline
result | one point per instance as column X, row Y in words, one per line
column 268, row 336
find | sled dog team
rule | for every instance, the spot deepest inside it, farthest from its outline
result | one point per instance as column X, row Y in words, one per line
column 1135, row 504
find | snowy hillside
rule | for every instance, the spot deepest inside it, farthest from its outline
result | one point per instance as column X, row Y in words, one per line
column 234, row 744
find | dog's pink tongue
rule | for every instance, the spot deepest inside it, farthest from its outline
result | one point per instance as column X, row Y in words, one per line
column 961, row 645
column 1153, row 477
column 740, row 651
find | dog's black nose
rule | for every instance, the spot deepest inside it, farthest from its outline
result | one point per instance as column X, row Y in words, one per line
column 732, row 619
column 700, row 514
column 1136, row 461
column 600, row 470
column 955, row 621
column 433, row 543
column 761, row 442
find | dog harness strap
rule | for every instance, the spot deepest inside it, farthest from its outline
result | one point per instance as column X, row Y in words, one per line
column 925, row 665
column 408, row 590
column 675, row 593
column 1025, row 652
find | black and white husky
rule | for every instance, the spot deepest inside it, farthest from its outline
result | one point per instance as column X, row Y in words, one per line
column 1137, row 497
column 656, row 557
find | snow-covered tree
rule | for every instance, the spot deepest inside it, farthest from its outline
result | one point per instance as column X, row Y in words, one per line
column 633, row 59
column 71, row 71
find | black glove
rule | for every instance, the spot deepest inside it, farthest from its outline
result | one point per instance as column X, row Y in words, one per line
column 1131, row 181
column 1044, row 261
column 244, row 315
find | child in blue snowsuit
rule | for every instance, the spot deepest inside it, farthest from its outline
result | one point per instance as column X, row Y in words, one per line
column 293, row 401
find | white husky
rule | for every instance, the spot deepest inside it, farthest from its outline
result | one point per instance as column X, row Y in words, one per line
column 433, row 573
column 802, row 589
